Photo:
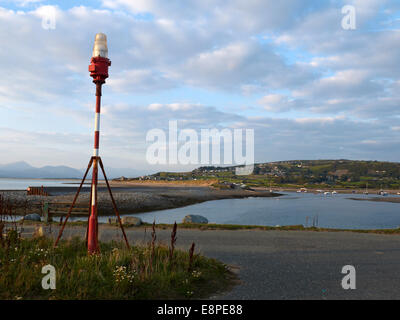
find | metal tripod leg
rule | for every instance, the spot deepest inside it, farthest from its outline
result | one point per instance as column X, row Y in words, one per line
column 90, row 208
column 73, row 202
column 113, row 202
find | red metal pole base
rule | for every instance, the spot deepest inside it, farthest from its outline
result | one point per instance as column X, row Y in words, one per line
column 93, row 244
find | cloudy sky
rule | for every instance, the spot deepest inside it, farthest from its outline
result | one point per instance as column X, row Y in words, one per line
column 287, row 69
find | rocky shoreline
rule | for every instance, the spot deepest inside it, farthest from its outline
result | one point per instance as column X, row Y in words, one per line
column 132, row 199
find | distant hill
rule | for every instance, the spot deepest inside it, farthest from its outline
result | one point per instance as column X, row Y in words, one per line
column 343, row 169
column 341, row 173
column 25, row 170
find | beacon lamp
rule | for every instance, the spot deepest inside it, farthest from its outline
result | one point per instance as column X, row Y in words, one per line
column 98, row 69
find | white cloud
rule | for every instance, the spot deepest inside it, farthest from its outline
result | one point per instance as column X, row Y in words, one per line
column 143, row 80
column 275, row 102
column 284, row 56
column 24, row 3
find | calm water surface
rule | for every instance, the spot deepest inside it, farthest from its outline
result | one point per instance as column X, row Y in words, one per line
column 22, row 184
column 335, row 211
column 332, row 211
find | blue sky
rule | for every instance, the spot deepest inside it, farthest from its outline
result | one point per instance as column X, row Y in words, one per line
column 287, row 69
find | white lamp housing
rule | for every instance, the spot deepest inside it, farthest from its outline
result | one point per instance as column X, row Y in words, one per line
column 100, row 46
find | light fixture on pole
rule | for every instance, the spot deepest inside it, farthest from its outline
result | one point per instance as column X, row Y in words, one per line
column 98, row 69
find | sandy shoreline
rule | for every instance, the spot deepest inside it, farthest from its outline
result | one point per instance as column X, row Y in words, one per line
column 343, row 191
column 208, row 183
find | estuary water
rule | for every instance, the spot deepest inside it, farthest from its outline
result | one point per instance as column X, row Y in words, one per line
column 328, row 211
column 22, row 184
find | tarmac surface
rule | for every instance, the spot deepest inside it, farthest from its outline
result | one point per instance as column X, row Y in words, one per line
column 287, row 264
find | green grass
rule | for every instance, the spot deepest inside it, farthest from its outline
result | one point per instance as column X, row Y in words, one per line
column 212, row 226
column 116, row 273
column 271, row 228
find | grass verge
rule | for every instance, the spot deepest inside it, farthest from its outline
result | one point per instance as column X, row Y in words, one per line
column 212, row 226
column 271, row 228
column 142, row 272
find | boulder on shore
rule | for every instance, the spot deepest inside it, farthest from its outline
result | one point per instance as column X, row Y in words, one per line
column 131, row 221
column 33, row 217
column 192, row 218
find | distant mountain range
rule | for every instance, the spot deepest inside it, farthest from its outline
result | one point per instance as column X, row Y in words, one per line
column 24, row 170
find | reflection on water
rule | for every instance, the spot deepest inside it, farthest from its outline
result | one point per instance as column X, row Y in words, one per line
column 333, row 211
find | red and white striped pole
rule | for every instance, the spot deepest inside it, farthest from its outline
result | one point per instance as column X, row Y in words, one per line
column 99, row 71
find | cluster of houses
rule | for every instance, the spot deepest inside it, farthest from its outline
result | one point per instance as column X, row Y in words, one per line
column 269, row 170
column 262, row 168
column 166, row 178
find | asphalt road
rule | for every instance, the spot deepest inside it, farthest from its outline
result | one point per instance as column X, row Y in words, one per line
column 291, row 264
